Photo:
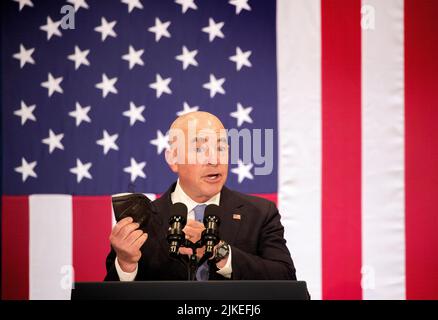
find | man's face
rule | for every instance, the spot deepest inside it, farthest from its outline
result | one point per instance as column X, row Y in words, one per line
column 203, row 166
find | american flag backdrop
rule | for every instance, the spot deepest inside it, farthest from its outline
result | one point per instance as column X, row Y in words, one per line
column 349, row 87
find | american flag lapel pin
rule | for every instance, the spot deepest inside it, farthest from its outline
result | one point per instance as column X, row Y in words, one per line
column 236, row 216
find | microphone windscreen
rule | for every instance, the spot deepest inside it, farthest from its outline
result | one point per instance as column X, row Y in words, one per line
column 178, row 209
column 213, row 210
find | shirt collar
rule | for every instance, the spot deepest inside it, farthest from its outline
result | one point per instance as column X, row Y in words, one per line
column 178, row 195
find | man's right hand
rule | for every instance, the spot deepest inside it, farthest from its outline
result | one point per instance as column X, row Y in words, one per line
column 127, row 239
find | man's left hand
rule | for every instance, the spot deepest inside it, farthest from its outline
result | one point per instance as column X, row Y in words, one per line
column 193, row 231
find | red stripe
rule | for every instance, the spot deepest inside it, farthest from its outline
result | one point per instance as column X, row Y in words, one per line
column 268, row 196
column 421, row 148
column 15, row 247
column 341, row 149
column 91, row 230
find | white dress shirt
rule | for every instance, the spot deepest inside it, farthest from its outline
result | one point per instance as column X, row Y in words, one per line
column 178, row 195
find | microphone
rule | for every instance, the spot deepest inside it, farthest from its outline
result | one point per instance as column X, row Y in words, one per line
column 177, row 221
column 210, row 236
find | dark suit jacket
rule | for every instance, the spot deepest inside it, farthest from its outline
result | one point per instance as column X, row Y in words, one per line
column 258, row 247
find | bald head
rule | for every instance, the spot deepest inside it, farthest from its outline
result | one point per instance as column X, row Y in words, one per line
column 200, row 119
column 196, row 128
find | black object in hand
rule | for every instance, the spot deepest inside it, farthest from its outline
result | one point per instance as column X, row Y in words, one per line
column 135, row 205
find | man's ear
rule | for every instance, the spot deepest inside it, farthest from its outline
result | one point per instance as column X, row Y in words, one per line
column 171, row 160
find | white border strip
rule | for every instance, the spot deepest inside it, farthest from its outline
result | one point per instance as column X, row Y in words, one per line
column 299, row 119
column 50, row 248
column 383, row 210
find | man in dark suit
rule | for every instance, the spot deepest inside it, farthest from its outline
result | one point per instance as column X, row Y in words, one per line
column 252, row 245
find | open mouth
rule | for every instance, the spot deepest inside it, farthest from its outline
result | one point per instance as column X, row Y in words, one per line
column 213, row 177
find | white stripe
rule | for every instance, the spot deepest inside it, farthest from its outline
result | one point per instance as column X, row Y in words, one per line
column 383, row 228
column 299, row 116
column 50, row 248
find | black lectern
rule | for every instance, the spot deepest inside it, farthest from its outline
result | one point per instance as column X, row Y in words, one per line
column 191, row 290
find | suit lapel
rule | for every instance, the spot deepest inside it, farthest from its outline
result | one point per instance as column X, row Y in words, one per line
column 162, row 207
column 233, row 216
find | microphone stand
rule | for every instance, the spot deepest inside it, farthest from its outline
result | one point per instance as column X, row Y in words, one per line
column 193, row 264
